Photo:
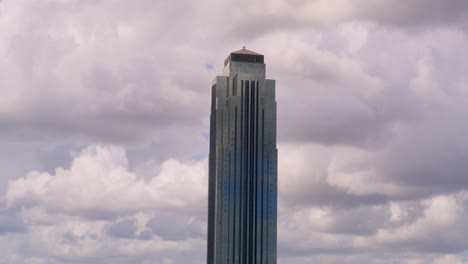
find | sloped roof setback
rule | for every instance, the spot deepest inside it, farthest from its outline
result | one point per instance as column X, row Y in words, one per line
column 246, row 52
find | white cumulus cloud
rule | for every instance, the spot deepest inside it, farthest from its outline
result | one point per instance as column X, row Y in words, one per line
column 99, row 184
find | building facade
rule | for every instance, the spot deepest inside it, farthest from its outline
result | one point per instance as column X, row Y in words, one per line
column 242, row 199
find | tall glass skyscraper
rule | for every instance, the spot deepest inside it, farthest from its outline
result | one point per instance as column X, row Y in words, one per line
column 242, row 201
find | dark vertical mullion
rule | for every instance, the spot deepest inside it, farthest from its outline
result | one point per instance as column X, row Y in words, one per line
column 228, row 203
column 211, row 180
column 249, row 188
column 231, row 185
column 241, row 170
column 263, row 187
column 234, row 194
column 234, row 251
column 252, row 169
column 228, row 180
column 249, row 177
column 249, row 174
column 256, row 174
column 246, row 120
column 267, row 203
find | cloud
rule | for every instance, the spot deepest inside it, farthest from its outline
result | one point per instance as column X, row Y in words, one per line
column 350, row 210
column 98, row 185
column 399, row 231
column 450, row 259
column 400, row 141
column 11, row 223
column 263, row 16
column 98, row 207
column 123, row 229
column 84, row 241
column 176, row 227
column 443, row 218
column 371, row 120
column 75, row 74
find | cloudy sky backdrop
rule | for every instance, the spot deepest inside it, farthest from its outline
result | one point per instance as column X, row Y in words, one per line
column 104, row 115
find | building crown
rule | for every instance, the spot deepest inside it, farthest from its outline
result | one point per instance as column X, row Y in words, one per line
column 244, row 55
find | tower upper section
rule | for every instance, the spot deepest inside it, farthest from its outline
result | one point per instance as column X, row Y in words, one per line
column 244, row 61
column 244, row 55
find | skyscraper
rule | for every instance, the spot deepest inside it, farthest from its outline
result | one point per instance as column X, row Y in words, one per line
column 242, row 200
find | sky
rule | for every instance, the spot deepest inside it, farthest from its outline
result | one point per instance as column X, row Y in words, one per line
column 104, row 116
